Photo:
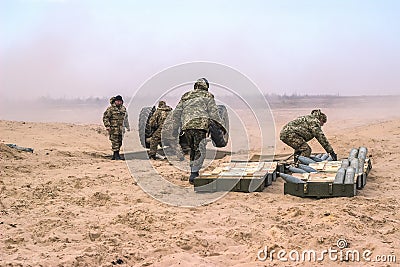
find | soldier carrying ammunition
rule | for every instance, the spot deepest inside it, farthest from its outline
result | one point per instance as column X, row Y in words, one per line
column 157, row 122
column 115, row 119
column 193, row 114
column 298, row 132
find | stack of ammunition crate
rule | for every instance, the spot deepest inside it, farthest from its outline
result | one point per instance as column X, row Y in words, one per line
column 324, row 178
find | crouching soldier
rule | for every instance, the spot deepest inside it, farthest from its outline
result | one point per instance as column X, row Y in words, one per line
column 299, row 131
column 115, row 119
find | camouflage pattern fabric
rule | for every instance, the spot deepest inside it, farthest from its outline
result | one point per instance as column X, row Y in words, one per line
column 157, row 122
column 197, row 143
column 159, row 116
column 297, row 143
column 154, row 141
column 195, row 109
column 301, row 130
column 116, row 119
column 116, row 141
column 192, row 115
column 169, row 138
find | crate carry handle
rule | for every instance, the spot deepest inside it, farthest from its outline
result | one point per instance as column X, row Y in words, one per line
column 330, row 188
column 305, row 188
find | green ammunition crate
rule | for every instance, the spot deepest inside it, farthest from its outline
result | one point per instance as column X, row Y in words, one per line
column 333, row 166
column 237, row 176
column 270, row 177
column 320, row 189
column 245, row 184
column 320, row 185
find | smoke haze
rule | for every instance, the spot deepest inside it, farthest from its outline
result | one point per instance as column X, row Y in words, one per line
column 101, row 48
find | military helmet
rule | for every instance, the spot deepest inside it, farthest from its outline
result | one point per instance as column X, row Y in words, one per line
column 162, row 104
column 321, row 116
column 202, row 83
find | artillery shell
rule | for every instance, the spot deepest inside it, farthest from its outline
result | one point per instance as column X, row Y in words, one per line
column 361, row 162
column 353, row 154
column 362, row 153
column 349, row 177
column 307, row 168
column 363, row 149
column 316, row 159
column 291, row 179
column 305, row 160
column 345, row 163
column 296, row 170
column 339, row 178
column 354, row 164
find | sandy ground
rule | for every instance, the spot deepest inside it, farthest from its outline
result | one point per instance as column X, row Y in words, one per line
column 68, row 205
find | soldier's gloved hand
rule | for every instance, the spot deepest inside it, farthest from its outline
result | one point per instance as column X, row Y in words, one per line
column 108, row 129
column 334, row 156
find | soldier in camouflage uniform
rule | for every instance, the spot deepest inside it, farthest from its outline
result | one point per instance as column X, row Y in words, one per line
column 193, row 114
column 157, row 122
column 115, row 119
column 298, row 132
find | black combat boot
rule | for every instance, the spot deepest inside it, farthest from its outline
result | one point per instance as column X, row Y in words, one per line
column 193, row 175
column 117, row 156
column 153, row 157
column 156, row 157
column 114, row 155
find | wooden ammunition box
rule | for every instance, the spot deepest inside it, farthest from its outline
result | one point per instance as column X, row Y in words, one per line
column 238, row 177
column 320, row 185
column 320, row 190
column 333, row 167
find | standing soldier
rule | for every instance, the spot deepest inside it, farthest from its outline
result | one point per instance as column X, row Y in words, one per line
column 193, row 114
column 115, row 119
column 298, row 132
column 157, row 122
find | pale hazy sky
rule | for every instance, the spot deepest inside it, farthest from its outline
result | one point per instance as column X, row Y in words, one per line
column 88, row 48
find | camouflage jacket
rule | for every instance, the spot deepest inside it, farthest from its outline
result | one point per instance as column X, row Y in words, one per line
column 195, row 109
column 308, row 127
column 159, row 116
column 116, row 118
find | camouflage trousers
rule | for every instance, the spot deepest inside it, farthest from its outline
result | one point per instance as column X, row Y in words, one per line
column 116, row 141
column 295, row 141
column 154, row 141
column 170, row 141
column 197, row 142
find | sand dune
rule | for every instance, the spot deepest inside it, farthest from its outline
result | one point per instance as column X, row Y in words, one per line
column 66, row 204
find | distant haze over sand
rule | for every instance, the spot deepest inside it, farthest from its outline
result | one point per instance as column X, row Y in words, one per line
column 90, row 110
